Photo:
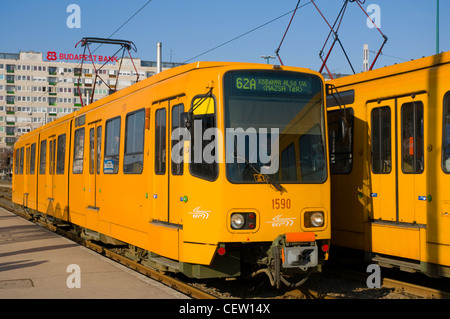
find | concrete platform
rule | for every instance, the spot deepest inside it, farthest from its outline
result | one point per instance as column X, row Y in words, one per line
column 36, row 263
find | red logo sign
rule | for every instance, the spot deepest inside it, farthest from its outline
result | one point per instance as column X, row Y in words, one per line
column 52, row 56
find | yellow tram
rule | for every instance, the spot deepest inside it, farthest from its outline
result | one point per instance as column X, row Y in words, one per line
column 210, row 169
column 390, row 169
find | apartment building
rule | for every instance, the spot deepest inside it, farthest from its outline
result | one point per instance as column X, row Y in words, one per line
column 35, row 91
column 37, row 88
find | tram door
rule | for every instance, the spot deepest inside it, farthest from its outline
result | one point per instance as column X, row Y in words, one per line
column 381, row 121
column 398, row 185
column 168, row 193
column 411, row 149
column 160, row 194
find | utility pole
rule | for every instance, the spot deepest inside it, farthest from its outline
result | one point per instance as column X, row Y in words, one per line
column 437, row 26
column 267, row 57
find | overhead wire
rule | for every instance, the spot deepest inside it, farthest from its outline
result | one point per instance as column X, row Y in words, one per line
column 109, row 37
column 246, row 33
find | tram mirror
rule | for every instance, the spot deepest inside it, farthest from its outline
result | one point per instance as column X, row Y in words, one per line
column 184, row 120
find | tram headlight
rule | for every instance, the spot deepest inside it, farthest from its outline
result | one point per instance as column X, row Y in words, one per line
column 314, row 219
column 237, row 221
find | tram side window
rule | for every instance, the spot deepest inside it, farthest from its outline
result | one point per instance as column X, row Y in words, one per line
column 112, row 146
column 203, row 157
column 28, row 161
column 381, row 140
column 177, row 168
column 21, row 160
column 61, row 154
column 91, row 151
column 78, row 151
column 16, row 166
column 341, row 147
column 99, row 147
column 51, row 151
column 42, row 157
column 160, row 142
column 94, row 156
column 412, row 137
column 133, row 160
column 33, row 159
column 446, row 135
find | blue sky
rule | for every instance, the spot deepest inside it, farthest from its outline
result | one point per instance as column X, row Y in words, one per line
column 190, row 28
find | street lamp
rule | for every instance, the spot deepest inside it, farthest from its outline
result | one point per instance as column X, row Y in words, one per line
column 267, row 57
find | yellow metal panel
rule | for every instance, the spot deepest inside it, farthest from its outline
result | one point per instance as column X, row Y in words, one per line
column 197, row 253
column 163, row 240
column 402, row 242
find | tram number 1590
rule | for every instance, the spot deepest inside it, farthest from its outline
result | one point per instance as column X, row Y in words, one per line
column 281, row 203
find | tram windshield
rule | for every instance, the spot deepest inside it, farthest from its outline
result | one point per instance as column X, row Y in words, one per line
column 275, row 129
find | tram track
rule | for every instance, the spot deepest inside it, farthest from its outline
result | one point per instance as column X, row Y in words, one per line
column 147, row 271
column 205, row 291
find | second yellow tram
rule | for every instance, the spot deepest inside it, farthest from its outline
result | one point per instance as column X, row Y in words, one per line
column 390, row 164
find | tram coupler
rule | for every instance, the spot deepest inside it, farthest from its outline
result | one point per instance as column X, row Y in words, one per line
column 293, row 252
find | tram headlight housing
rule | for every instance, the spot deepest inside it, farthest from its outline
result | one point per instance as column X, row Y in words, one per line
column 237, row 221
column 314, row 219
column 243, row 221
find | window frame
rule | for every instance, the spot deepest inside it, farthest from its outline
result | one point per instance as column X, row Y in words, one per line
column 350, row 116
column 43, row 157
column 75, row 144
column 177, row 168
column 61, row 154
column 445, row 133
column 381, row 137
column 132, row 154
column 110, row 156
column 192, row 132
column 415, row 109
column 160, row 160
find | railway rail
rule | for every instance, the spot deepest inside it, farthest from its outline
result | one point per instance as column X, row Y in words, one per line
column 391, row 288
column 5, row 202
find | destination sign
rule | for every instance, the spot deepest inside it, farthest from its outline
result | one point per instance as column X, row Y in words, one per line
column 272, row 84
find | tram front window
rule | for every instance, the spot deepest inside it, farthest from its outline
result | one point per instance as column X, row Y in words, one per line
column 274, row 127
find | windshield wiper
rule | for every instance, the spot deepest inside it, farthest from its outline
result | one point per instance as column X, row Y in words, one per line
column 278, row 187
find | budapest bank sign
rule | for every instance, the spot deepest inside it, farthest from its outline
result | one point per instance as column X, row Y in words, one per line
column 52, row 56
